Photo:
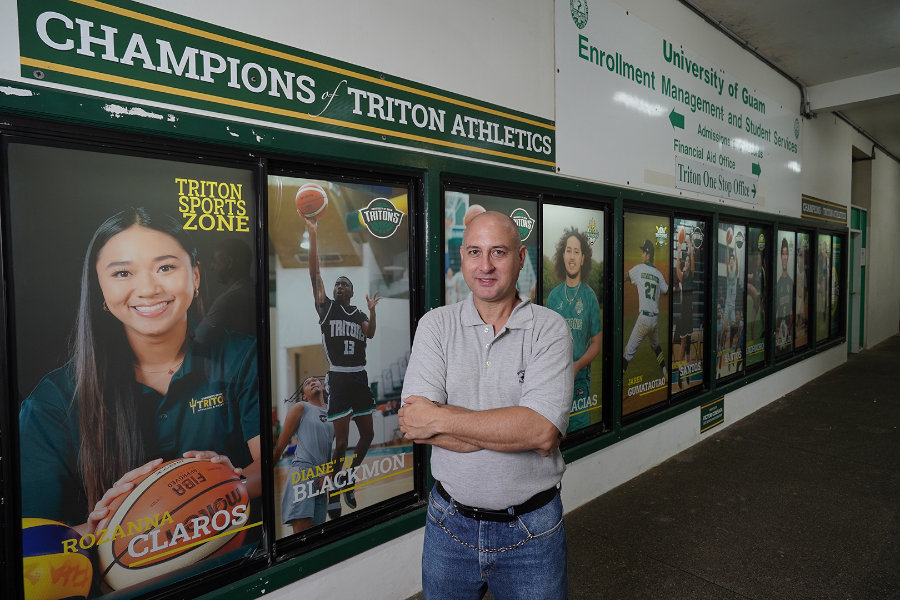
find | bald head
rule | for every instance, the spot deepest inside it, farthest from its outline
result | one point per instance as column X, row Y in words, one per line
column 492, row 255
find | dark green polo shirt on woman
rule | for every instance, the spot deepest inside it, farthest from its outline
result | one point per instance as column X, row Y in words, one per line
column 212, row 404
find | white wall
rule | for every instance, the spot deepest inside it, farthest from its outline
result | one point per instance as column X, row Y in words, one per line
column 470, row 47
column 883, row 258
column 827, row 158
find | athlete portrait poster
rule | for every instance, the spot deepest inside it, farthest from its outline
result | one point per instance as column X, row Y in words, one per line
column 757, row 288
column 835, row 284
column 784, row 293
column 823, row 287
column 136, row 371
column 730, row 325
column 573, row 283
column 688, row 303
column 462, row 207
column 645, row 311
column 340, row 307
column 801, row 312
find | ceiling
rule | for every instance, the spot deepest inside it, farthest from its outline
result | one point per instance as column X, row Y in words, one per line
column 846, row 55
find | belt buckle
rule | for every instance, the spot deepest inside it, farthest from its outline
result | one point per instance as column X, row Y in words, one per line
column 480, row 514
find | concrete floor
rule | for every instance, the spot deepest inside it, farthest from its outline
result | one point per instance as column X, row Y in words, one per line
column 800, row 500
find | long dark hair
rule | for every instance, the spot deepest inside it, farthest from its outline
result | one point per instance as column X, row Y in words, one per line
column 586, row 250
column 103, row 362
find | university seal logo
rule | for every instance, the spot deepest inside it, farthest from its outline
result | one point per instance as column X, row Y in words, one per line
column 381, row 217
column 523, row 221
column 579, row 10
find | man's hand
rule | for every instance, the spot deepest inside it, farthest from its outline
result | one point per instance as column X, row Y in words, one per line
column 418, row 418
column 508, row 429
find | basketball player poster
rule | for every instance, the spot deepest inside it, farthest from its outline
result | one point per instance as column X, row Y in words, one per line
column 645, row 311
column 757, row 290
column 688, row 303
column 730, row 324
column 340, row 311
column 136, row 378
column 460, row 208
column 573, row 283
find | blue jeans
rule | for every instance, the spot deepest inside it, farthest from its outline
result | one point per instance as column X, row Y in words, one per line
column 521, row 560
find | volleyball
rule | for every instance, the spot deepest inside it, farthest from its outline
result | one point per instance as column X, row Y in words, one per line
column 311, row 200
column 182, row 512
column 53, row 565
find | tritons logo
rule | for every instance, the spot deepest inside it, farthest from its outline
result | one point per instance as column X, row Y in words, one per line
column 207, row 403
column 523, row 221
column 381, row 217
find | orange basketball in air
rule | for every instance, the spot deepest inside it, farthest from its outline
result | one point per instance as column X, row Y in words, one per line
column 311, row 200
column 180, row 513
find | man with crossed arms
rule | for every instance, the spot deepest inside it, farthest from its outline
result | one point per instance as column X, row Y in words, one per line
column 488, row 386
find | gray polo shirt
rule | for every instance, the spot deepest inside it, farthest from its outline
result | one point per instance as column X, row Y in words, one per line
column 457, row 359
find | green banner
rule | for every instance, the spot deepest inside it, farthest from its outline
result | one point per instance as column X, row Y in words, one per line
column 149, row 54
column 712, row 414
column 822, row 210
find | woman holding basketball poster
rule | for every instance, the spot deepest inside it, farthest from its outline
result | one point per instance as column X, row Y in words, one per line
column 134, row 362
column 136, row 386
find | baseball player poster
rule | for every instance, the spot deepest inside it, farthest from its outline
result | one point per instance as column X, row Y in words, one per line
column 573, row 276
column 460, row 208
column 784, row 293
column 801, row 311
column 823, row 287
column 136, row 368
column 730, row 333
column 688, row 303
column 645, row 311
column 340, row 304
column 757, row 263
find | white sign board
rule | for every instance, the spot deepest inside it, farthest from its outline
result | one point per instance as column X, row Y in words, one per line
column 636, row 107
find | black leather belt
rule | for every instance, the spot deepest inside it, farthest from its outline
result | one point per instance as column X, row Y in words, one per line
column 649, row 314
column 504, row 515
